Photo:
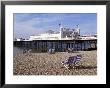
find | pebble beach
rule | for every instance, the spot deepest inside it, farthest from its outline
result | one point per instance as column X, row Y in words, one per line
column 50, row 64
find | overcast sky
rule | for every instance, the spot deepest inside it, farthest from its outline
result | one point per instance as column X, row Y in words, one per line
column 26, row 24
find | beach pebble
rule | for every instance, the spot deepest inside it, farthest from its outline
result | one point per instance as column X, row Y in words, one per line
column 50, row 64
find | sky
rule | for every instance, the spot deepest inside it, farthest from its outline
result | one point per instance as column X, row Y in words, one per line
column 27, row 24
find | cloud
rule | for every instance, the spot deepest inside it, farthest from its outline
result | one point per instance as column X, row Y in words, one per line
column 32, row 24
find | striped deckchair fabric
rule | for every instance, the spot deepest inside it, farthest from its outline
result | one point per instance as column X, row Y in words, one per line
column 72, row 61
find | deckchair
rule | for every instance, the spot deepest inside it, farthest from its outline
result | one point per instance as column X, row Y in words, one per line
column 71, row 61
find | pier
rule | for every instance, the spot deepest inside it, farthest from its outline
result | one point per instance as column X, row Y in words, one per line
column 58, row 45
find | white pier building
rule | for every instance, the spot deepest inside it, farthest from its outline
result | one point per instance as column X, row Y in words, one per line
column 63, row 34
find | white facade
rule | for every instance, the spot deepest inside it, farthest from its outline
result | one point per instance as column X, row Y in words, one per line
column 87, row 37
column 45, row 36
column 19, row 39
column 64, row 33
